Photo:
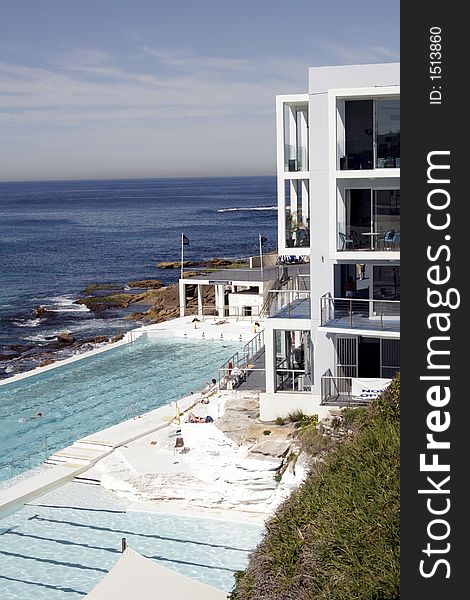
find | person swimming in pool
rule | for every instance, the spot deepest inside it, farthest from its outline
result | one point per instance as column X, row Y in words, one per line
column 35, row 416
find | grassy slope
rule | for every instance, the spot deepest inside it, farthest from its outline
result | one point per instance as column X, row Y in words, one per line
column 337, row 536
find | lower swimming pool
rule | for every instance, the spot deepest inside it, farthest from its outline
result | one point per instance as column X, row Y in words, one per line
column 94, row 393
column 61, row 545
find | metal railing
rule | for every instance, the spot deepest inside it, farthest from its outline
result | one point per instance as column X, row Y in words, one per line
column 358, row 238
column 338, row 390
column 250, row 378
column 295, row 380
column 42, row 448
column 241, row 360
column 254, row 345
column 228, row 274
column 383, row 315
column 133, row 411
column 242, row 357
column 239, row 313
column 289, row 304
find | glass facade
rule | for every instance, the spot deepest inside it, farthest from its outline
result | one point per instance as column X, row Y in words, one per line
column 372, row 134
column 296, row 138
column 293, row 351
column 387, row 127
column 297, row 213
column 371, row 220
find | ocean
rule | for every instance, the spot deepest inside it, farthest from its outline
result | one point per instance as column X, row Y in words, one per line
column 56, row 238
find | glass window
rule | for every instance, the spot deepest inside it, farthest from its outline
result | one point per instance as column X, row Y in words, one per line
column 293, row 361
column 387, row 219
column 359, row 135
column 297, row 213
column 372, row 134
column 387, row 117
column 371, row 220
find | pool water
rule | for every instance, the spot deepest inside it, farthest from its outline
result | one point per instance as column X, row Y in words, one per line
column 61, row 545
column 97, row 392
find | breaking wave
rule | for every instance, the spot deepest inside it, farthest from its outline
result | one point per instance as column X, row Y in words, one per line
column 245, row 209
column 29, row 323
column 66, row 304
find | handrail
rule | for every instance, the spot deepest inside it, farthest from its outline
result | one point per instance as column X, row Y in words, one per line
column 43, row 446
column 133, row 410
column 353, row 308
column 285, row 298
column 250, row 349
column 211, row 310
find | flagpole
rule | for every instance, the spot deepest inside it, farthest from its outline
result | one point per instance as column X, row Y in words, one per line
column 182, row 254
column 260, row 253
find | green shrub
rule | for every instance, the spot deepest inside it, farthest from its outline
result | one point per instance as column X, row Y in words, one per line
column 295, row 416
column 267, row 432
column 280, row 421
column 354, row 418
column 302, row 420
column 313, row 442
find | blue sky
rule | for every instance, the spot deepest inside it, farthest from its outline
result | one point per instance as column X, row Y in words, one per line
column 147, row 88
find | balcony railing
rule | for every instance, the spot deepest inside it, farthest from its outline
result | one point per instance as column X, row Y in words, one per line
column 290, row 379
column 355, row 313
column 289, row 304
column 295, row 158
column 363, row 238
column 365, row 154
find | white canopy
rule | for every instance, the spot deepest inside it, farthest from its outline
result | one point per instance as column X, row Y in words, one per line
column 134, row 576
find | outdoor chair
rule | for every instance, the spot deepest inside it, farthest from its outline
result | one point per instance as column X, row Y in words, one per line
column 345, row 241
column 396, row 241
column 387, row 240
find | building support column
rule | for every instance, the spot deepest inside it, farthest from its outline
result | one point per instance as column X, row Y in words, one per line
column 182, row 297
column 200, row 306
column 219, row 300
column 270, row 360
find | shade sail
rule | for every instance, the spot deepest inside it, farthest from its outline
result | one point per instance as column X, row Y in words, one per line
column 139, row 578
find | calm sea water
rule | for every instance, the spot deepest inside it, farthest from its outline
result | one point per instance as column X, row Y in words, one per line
column 58, row 237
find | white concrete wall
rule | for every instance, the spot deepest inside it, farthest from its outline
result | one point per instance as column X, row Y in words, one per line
column 321, row 267
column 237, row 301
column 281, row 404
column 322, row 79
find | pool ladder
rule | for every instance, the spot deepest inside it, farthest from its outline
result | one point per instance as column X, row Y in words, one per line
column 41, row 448
column 133, row 411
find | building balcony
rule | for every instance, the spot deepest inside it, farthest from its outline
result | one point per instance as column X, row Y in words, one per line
column 289, row 304
column 295, row 158
column 343, row 314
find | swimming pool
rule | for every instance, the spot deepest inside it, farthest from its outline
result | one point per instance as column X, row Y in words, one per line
column 61, row 545
column 94, row 393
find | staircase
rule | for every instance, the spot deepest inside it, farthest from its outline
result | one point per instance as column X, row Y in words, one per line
column 79, row 454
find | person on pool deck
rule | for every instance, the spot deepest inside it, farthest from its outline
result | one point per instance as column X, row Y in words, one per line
column 209, row 390
column 192, row 418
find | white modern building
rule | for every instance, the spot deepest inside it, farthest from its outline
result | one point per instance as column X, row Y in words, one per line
column 333, row 338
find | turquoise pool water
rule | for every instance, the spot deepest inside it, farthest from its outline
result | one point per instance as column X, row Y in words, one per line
column 94, row 393
column 61, row 545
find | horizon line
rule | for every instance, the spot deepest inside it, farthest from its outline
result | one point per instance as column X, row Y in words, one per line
column 74, row 179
